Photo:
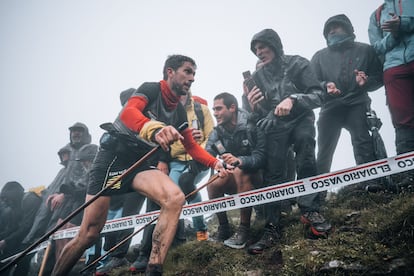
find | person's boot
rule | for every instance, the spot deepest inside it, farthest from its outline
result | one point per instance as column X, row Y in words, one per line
column 223, row 233
column 374, row 185
column 318, row 225
column 239, row 239
column 270, row 237
column 407, row 181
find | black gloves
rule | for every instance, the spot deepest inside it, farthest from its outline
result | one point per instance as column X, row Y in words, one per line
column 268, row 122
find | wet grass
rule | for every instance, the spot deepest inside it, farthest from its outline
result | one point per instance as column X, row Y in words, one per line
column 374, row 235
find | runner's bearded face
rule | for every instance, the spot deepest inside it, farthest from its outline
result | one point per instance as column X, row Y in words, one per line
column 182, row 78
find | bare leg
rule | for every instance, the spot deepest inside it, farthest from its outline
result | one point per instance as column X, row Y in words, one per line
column 218, row 188
column 161, row 189
column 244, row 184
column 93, row 221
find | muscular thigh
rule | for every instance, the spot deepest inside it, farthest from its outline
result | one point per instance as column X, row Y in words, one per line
column 155, row 185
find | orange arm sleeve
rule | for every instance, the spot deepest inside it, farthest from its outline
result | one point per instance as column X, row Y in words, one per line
column 132, row 115
column 196, row 151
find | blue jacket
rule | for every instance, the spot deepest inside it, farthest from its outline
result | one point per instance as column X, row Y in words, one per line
column 396, row 51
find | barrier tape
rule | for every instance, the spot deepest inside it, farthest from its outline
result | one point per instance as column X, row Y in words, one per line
column 306, row 186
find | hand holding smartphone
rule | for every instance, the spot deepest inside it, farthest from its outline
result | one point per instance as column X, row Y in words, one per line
column 248, row 80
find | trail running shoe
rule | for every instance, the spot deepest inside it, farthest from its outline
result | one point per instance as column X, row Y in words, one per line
column 112, row 263
column 140, row 265
column 239, row 239
column 270, row 237
column 319, row 226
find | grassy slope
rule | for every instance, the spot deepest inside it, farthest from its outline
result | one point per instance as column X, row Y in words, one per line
column 374, row 235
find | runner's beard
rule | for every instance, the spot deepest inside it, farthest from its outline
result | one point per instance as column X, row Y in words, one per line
column 179, row 89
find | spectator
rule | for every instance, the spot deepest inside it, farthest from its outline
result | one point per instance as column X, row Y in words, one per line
column 347, row 70
column 11, row 215
column 391, row 34
column 251, row 102
column 74, row 193
column 236, row 141
column 290, row 91
column 44, row 213
column 21, row 207
column 153, row 112
column 185, row 171
column 71, row 173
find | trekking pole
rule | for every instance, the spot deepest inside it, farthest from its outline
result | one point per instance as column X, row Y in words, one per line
column 79, row 209
column 45, row 256
column 212, row 179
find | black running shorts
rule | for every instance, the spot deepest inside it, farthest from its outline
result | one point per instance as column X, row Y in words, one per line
column 108, row 166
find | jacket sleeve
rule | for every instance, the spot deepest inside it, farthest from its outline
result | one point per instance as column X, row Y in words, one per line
column 381, row 42
column 374, row 72
column 311, row 93
column 256, row 160
column 210, row 143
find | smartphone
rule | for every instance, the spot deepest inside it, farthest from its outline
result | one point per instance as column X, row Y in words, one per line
column 248, row 80
column 195, row 124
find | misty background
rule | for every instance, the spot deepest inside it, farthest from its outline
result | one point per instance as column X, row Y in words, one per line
column 63, row 62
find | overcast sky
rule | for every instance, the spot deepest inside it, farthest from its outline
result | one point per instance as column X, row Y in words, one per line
column 67, row 61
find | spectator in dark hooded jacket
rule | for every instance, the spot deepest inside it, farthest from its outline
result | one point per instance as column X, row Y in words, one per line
column 74, row 196
column 44, row 213
column 23, row 211
column 290, row 91
column 347, row 70
column 11, row 215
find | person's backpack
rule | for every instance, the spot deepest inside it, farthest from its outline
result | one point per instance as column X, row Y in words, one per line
column 378, row 15
column 199, row 113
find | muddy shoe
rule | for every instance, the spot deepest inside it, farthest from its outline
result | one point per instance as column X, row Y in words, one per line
column 112, row 263
column 140, row 265
column 318, row 225
column 239, row 239
column 270, row 237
